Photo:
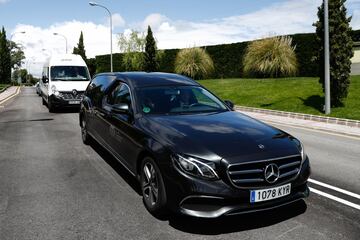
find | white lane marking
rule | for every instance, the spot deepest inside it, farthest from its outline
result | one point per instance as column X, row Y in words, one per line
column 311, row 129
column 337, row 199
column 335, row 188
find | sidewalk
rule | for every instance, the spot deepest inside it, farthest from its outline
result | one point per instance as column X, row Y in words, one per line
column 302, row 123
column 8, row 93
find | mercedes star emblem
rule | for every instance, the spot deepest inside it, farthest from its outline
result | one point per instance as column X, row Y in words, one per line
column 272, row 173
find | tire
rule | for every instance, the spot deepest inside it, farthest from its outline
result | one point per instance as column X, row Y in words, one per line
column 86, row 138
column 153, row 188
column 51, row 107
column 43, row 101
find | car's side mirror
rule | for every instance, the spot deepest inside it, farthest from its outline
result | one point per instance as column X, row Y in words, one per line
column 45, row 79
column 120, row 108
column 230, row 104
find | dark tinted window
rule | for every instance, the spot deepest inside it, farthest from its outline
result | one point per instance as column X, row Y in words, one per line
column 121, row 94
column 178, row 100
column 97, row 87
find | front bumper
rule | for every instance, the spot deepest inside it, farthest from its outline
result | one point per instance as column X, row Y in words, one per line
column 61, row 102
column 211, row 199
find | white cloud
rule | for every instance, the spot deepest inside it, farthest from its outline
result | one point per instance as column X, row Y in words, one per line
column 154, row 20
column 118, row 20
column 96, row 40
column 3, row 1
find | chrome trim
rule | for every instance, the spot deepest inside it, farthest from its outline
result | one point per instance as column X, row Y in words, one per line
column 289, row 165
column 289, row 173
column 246, row 171
column 199, row 196
column 265, row 160
column 249, row 180
column 262, row 161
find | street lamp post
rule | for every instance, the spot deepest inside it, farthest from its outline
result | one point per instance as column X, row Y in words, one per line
column 58, row 34
column 93, row 4
column 327, row 58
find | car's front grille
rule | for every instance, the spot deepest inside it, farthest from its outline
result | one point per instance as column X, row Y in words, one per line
column 72, row 96
column 252, row 174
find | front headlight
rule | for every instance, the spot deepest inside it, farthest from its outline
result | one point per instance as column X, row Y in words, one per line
column 55, row 91
column 195, row 167
column 301, row 148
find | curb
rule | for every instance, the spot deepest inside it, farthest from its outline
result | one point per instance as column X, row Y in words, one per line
column 339, row 121
column 11, row 96
column 4, row 89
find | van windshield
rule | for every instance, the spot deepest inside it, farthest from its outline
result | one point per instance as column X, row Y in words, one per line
column 69, row 73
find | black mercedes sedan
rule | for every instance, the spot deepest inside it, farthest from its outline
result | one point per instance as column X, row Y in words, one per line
column 189, row 150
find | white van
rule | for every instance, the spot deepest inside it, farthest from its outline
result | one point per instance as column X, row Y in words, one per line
column 64, row 80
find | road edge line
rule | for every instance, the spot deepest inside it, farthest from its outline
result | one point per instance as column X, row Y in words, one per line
column 351, row 194
column 337, row 199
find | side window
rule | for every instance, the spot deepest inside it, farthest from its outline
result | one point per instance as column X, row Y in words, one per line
column 96, row 89
column 121, row 94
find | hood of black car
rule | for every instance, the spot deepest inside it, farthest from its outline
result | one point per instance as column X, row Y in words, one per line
column 228, row 135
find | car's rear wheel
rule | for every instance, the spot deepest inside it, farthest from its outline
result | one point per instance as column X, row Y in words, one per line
column 86, row 138
column 153, row 188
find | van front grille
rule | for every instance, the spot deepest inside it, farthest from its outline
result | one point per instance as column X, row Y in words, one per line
column 71, row 96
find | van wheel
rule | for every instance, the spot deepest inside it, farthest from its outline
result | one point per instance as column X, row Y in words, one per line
column 86, row 138
column 153, row 188
column 51, row 107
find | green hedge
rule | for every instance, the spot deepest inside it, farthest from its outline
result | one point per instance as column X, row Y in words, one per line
column 228, row 57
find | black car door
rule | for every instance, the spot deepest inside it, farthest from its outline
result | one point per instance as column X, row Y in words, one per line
column 124, row 137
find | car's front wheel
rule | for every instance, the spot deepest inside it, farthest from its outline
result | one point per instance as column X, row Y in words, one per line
column 153, row 188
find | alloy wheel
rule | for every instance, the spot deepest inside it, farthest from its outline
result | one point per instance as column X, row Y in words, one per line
column 150, row 184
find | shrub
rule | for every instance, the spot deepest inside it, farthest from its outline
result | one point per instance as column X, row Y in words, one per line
column 271, row 57
column 194, row 62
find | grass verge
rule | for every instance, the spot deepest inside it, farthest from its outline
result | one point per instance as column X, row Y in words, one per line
column 303, row 95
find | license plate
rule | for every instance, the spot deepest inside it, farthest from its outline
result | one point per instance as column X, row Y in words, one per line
column 269, row 193
column 74, row 102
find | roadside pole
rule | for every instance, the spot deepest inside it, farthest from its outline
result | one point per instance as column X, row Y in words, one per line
column 327, row 58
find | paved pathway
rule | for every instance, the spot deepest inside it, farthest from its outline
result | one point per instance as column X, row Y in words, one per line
column 7, row 93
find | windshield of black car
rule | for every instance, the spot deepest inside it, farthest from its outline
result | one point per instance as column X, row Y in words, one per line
column 69, row 73
column 178, row 100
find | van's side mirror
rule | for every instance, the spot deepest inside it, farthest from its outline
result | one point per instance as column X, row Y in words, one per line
column 45, row 79
column 120, row 108
column 230, row 104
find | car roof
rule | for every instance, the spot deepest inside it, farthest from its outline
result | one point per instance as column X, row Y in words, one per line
column 153, row 79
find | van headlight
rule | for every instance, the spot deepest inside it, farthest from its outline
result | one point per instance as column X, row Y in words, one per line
column 196, row 167
column 301, row 148
column 55, row 91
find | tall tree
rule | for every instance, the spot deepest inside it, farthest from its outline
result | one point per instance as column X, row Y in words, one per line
column 17, row 55
column 133, row 47
column 80, row 49
column 5, row 58
column 150, row 60
column 341, row 49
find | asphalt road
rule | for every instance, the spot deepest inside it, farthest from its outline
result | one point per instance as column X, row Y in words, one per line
column 54, row 187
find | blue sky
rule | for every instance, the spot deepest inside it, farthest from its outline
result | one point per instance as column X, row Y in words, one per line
column 42, row 13
column 176, row 24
